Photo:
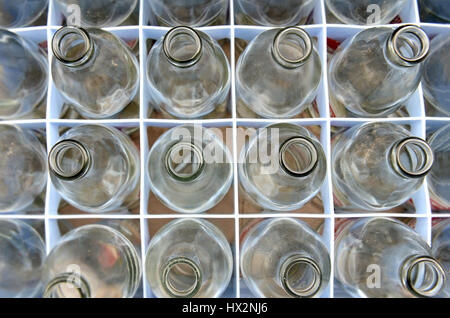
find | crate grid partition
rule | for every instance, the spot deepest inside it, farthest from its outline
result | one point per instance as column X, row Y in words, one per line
column 417, row 121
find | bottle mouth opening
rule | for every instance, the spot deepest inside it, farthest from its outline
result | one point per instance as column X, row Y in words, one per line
column 423, row 276
column 183, row 46
column 301, row 277
column 413, row 157
column 182, row 277
column 184, row 161
column 69, row 160
column 298, row 156
column 67, row 285
column 291, row 47
column 72, row 46
column 410, row 44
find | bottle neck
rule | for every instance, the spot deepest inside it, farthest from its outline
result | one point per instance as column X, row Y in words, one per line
column 73, row 46
column 423, row 276
column 183, row 46
column 298, row 157
column 407, row 46
column 181, row 277
column 67, row 285
column 300, row 276
column 411, row 157
column 69, row 160
column 292, row 47
column 184, row 161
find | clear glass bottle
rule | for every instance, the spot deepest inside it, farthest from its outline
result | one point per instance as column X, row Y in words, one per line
column 98, row 13
column 23, row 168
column 189, row 169
column 94, row 70
column 20, row 13
column 92, row 261
column 441, row 250
column 373, row 73
column 278, row 74
column 189, row 258
column 24, row 75
column 284, row 257
column 193, row 13
column 365, row 12
column 377, row 166
column 436, row 75
column 273, row 13
column 188, row 74
column 22, row 259
column 439, row 177
column 96, row 168
column 384, row 258
column 437, row 11
column 282, row 167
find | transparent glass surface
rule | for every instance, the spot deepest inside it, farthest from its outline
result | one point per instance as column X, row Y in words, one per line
column 20, row 13
column 194, row 13
column 23, row 75
column 92, row 261
column 384, row 258
column 188, row 74
column 23, row 168
column 95, row 168
column 21, row 262
column 371, row 75
column 441, row 250
column 189, row 258
column 365, row 12
column 365, row 166
column 282, row 167
column 278, row 74
column 435, row 10
column 97, row 13
column 439, row 177
column 436, row 75
column 283, row 257
column 94, row 70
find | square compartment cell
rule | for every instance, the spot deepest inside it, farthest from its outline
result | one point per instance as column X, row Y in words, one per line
column 154, row 130
column 225, row 225
column 319, row 108
column 321, row 203
column 150, row 36
column 322, row 225
column 413, row 106
column 57, row 18
column 276, row 13
column 60, row 108
column 418, row 203
column 55, row 205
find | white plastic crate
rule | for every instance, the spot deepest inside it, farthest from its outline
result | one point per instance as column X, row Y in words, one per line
column 419, row 123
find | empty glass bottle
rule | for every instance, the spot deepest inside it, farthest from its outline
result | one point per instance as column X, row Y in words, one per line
column 23, row 76
column 94, row 70
column 436, row 75
column 273, row 13
column 434, row 11
column 282, row 167
column 194, row 13
column 283, row 257
column 20, row 13
column 23, row 168
column 98, row 13
column 95, row 168
column 374, row 72
column 22, row 255
column 365, row 12
column 278, row 74
column 377, row 166
column 441, row 250
column 188, row 74
column 384, row 258
column 189, row 258
column 439, row 177
column 92, row 261
column 189, row 169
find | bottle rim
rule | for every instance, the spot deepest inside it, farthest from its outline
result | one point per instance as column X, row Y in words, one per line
column 58, row 150
column 421, row 36
column 174, row 291
column 289, row 265
column 83, row 56
column 305, row 143
column 174, row 152
column 282, row 35
column 169, row 38
column 77, row 281
column 424, row 154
